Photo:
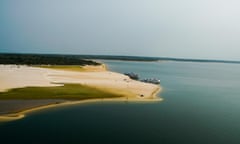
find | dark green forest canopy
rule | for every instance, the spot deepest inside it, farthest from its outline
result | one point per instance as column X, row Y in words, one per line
column 62, row 59
column 37, row 59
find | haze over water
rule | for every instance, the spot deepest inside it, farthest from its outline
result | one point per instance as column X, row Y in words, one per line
column 201, row 105
column 206, row 29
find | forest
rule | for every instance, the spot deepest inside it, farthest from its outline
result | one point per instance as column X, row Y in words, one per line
column 43, row 59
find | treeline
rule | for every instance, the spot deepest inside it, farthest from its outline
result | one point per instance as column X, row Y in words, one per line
column 41, row 59
column 150, row 59
column 56, row 59
column 123, row 58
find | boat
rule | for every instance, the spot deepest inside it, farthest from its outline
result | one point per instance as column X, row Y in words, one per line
column 135, row 76
column 132, row 75
column 151, row 80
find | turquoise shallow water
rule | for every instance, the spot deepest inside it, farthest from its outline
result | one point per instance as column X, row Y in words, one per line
column 201, row 105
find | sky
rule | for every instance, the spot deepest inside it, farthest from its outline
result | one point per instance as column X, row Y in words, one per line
column 200, row 29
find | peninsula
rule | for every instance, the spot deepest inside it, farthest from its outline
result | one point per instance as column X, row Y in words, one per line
column 25, row 88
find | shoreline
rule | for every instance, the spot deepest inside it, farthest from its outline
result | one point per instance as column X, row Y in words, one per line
column 23, row 113
column 12, row 76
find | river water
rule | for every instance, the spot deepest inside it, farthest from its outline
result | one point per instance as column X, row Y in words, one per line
column 201, row 106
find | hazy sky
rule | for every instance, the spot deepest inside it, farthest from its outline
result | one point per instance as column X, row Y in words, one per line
column 166, row 28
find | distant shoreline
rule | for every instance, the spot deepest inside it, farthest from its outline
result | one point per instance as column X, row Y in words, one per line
column 117, row 57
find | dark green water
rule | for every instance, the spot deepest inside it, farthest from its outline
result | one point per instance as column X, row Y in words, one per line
column 201, row 106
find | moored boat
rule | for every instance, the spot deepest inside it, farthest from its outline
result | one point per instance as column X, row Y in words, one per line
column 151, row 80
column 132, row 75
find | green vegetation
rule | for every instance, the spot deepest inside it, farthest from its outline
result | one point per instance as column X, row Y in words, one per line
column 68, row 92
column 37, row 59
column 63, row 67
column 54, row 59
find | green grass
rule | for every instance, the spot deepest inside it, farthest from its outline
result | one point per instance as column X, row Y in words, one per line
column 68, row 92
column 63, row 67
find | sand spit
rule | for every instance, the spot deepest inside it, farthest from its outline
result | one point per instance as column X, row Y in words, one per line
column 22, row 114
column 13, row 76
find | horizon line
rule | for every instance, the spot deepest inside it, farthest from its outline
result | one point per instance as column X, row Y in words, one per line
column 134, row 58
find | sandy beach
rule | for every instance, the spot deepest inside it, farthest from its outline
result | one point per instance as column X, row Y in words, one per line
column 12, row 76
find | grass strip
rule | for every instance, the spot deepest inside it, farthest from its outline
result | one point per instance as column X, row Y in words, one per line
column 68, row 92
column 63, row 67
